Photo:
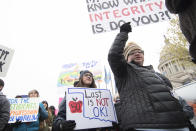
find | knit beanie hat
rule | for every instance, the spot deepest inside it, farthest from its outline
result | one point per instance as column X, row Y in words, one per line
column 130, row 47
column 84, row 72
column 81, row 84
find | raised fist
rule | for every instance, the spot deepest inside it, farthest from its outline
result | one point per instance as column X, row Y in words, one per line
column 126, row 27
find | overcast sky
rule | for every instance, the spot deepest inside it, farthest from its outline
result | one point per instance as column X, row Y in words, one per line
column 46, row 34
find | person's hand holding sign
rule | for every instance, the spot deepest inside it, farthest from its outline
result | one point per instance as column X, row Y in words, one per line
column 67, row 125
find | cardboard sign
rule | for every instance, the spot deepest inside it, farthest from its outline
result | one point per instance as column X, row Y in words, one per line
column 90, row 108
column 6, row 55
column 24, row 109
column 109, row 15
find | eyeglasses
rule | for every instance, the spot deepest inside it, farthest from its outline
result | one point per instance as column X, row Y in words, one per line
column 88, row 75
column 135, row 52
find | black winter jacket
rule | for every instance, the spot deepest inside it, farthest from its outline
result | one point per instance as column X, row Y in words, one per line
column 4, row 111
column 146, row 101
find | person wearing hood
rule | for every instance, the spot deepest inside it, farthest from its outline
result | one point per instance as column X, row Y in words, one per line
column 145, row 99
column 4, row 108
column 186, row 10
column 60, row 123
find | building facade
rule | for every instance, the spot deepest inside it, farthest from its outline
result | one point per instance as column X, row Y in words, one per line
column 179, row 70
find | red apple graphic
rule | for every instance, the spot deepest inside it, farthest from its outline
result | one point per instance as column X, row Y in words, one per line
column 75, row 106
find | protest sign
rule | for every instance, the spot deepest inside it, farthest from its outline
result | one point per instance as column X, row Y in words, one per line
column 24, row 109
column 71, row 72
column 109, row 15
column 90, row 108
column 5, row 59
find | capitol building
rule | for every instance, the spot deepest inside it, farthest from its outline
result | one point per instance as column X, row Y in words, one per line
column 179, row 70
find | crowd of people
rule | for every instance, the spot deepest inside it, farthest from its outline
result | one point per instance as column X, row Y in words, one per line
column 46, row 114
column 146, row 100
column 47, row 120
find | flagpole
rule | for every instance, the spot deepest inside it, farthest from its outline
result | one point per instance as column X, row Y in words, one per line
column 98, row 84
column 112, row 86
column 105, row 77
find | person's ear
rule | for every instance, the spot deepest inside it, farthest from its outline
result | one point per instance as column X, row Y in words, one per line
column 1, row 87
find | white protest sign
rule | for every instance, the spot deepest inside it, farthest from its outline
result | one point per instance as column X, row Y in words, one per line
column 6, row 55
column 90, row 108
column 109, row 15
column 24, row 109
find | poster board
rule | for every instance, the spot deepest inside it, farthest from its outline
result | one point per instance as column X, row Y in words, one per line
column 109, row 15
column 24, row 109
column 6, row 55
column 71, row 72
column 90, row 108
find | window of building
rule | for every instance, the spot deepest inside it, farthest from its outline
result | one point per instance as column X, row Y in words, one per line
column 176, row 68
column 169, row 70
column 167, row 67
column 183, row 67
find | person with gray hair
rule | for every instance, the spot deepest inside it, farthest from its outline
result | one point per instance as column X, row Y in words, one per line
column 4, row 108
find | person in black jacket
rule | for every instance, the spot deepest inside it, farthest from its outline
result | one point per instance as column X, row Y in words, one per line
column 10, row 126
column 4, row 108
column 60, row 123
column 186, row 10
column 145, row 99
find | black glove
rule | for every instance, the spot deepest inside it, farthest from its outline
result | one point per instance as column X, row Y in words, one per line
column 17, row 123
column 126, row 27
column 67, row 125
column 115, row 125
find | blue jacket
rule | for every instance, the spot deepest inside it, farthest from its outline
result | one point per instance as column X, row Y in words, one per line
column 33, row 126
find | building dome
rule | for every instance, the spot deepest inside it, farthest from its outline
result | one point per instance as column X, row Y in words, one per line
column 171, row 51
column 173, row 64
